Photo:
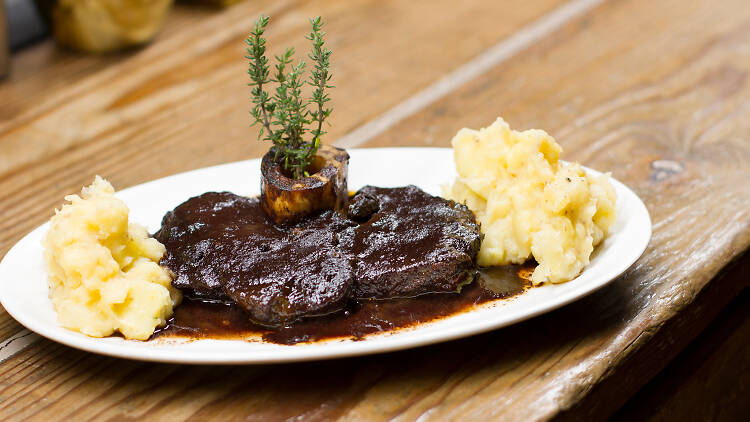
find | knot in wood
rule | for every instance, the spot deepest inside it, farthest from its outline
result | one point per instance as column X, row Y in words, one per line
column 662, row 169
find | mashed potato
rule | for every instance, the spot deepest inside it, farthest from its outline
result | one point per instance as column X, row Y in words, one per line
column 104, row 274
column 528, row 203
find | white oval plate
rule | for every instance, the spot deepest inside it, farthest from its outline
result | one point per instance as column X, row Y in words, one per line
column 23, row 283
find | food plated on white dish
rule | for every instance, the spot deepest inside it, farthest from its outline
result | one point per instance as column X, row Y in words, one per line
column 24, row 290
column 316, row 252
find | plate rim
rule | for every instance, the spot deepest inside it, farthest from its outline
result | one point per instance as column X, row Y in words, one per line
column 302, row 352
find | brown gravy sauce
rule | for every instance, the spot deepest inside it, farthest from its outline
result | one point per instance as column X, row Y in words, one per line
column 195, row 319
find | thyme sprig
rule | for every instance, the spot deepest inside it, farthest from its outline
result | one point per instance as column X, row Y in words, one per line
column 284, row 118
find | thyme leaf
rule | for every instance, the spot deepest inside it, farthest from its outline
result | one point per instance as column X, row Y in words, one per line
column 294, row 125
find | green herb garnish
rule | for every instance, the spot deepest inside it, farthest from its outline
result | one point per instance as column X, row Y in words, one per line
column 285, row 116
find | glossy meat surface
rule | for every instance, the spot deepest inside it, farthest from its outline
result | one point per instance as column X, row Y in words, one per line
column 301, row 273
column 221, row 246
column 412, row 243
column 392, row 242
column 201, row 235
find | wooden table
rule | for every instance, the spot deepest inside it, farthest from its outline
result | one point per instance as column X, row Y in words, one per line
column 656, row 92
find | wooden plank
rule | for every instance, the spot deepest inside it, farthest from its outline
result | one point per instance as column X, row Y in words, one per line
column 661, row 103
column 199, row 72
column 710, row 380
column 662, row 344
column 137, row 116
column 36, row 73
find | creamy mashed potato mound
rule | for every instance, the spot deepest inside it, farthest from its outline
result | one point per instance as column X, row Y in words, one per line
column 104, row 274
column 528, row 203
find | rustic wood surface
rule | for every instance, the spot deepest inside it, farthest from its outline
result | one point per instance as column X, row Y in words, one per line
column 710, row 380
column 656, row 92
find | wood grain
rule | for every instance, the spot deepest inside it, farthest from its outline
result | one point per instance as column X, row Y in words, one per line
column 38, row 72
column 661, row 104
column 662, row 344
column 656, row 92
column 182, row 103
column 710, row 380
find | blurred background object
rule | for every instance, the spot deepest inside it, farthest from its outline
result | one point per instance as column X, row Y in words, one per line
column 20, row 24
column 217, row 3
column 25, row 23
column 97, row 26
column 4, row 46
column 104, row 25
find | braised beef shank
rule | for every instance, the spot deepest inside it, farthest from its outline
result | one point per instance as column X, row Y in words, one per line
column 391, row 242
